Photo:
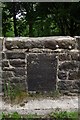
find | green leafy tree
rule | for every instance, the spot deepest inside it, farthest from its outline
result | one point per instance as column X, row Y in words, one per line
column 41, row 19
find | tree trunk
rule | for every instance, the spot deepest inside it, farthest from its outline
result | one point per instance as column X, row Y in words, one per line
column 71, row 27
column 14, row 19
column 31, row 19
column 30, row 28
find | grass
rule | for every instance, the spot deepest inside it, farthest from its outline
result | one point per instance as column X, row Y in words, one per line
column 52, row 116
column 16, row 95
column 64, row 115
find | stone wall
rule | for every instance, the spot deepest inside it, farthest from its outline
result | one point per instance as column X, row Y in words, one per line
column 42, row 64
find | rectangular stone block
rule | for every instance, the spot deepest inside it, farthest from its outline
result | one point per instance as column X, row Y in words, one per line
column 41, row 72
column 74, row 75
column 65, row 85
column 46, row 42
column 75, row 56
column 76, row 85
column 70, row 86
column 15, row 44
column 17, row 63
column 69, row 65
column 21, row 71
column 64, row 56
column 15, row 55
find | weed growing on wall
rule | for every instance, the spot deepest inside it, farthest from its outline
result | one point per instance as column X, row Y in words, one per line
column 12, row 94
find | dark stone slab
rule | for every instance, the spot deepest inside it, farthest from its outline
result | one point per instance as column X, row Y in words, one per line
column 15, row 55
column 41, row 72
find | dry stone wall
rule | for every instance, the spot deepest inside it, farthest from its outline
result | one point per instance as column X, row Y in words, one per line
column 42, row 64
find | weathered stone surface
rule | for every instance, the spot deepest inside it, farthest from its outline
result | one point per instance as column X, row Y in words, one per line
column 34, row 63
column 64, row 57
column 78, row 42
column 19, row 71
column 62, row 44
column 3, row 55
column 62, row 75
column 18, row 79
column 75, row 56
column 15, row 55
column 15, row 44
column 76, row 85
column 7, row 74
column 5, row 63
column 49, row 42
column 18, row 83
column 72, row 65
column 74, row 75
column 65, row 85
column 8, row 68
column 17, row 63
column 70, row 86
column 41, row 72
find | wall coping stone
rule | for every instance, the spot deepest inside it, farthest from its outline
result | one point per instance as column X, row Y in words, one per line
column 53, row 42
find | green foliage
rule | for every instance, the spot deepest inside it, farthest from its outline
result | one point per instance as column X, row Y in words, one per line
column 13, row 94
column 40, row 19
column 54, row 116
column 15, row 116
column 64, row 115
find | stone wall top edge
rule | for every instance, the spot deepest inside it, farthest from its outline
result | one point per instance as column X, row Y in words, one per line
column 39, row 38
